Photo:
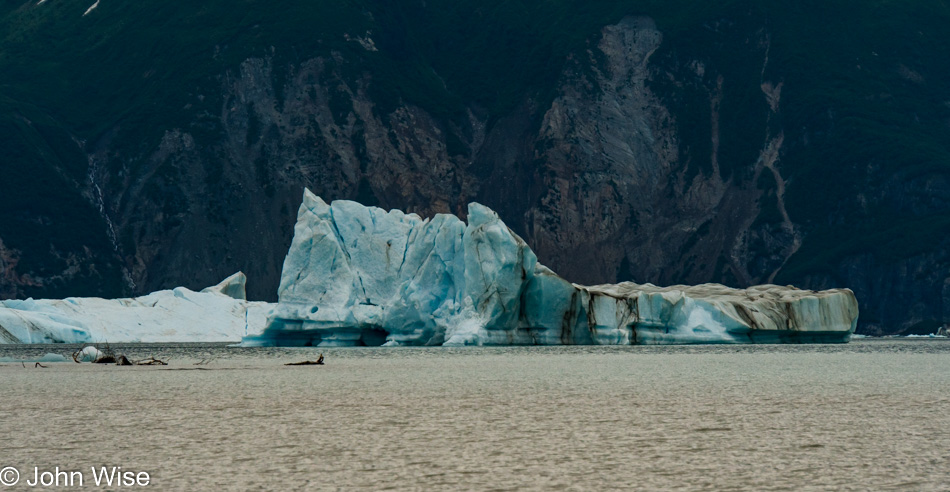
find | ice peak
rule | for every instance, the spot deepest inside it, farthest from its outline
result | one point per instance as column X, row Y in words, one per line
column 234, row 286
column 359, row 275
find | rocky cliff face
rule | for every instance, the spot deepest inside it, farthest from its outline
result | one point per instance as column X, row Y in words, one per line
column 236, row 195
column 648, row 160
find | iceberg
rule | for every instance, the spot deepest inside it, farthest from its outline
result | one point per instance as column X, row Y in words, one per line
column 88, row 354
column 48, row 357
column 216, row 314
column 359, row 275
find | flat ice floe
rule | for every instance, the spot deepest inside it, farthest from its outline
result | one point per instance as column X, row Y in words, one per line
column 359, row 275
column 216, row 314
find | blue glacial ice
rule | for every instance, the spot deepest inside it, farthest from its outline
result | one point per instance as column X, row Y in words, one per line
column 359, row 275
column 217, row 314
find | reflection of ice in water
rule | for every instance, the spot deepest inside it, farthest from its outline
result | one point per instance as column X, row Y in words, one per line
column 90, row 8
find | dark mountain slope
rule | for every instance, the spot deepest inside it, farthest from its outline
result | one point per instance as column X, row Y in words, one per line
column 150, row 144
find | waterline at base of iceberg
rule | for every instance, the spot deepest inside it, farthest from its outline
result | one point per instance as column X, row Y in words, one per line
column 359, row 275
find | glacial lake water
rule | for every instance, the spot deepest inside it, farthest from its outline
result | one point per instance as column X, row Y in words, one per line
column 870, row 415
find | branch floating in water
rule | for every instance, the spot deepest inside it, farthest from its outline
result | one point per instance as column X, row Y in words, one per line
column 318, row 362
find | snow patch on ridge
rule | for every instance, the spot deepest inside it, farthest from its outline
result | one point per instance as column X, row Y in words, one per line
column 91, row 8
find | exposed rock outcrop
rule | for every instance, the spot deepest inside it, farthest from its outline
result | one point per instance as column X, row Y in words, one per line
column 651, row 153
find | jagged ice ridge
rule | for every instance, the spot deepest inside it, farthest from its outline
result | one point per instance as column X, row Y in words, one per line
column 359, row 275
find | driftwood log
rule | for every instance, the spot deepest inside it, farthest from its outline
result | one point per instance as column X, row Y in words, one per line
column 151, row 361
column 318, row 362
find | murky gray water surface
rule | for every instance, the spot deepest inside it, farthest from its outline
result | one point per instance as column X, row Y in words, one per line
column 873, row 414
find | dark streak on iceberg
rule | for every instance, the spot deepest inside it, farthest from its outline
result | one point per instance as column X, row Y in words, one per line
column 480, row 284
